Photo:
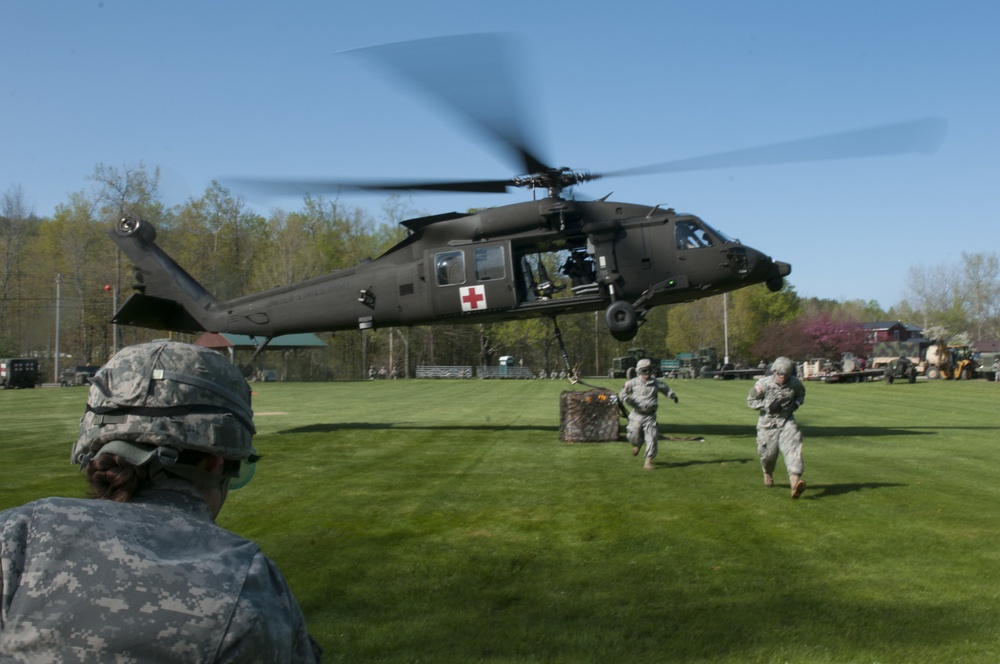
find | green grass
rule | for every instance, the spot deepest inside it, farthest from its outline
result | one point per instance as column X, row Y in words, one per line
column 443, row 521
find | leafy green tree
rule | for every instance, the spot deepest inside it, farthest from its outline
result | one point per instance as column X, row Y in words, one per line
column 695, row 325
column 74, row 245
column 752, row 310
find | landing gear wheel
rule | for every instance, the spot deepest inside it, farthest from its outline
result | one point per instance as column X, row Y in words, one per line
column 624, row 336
column 622, row 320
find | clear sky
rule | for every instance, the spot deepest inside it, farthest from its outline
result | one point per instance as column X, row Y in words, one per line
column 214, row 88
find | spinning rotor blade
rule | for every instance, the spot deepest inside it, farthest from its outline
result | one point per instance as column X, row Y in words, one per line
column 471, row 74
column 921, row 136
column 291, row 187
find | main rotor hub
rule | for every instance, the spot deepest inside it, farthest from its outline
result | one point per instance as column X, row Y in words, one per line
column 554, row 180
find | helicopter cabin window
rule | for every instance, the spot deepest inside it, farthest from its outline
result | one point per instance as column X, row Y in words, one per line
column 692, row 236
column 489, row 263
column 449, row 266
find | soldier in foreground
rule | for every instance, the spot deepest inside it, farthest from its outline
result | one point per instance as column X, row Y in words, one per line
column 142, row 572
column 776, row 397
column 641, row 393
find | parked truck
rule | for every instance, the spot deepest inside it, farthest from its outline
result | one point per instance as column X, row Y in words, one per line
column 18, row 372
column 621, row 365
column 989, row 365
column 885, row 353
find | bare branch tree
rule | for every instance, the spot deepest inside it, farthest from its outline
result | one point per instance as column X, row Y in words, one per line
column 15, row 214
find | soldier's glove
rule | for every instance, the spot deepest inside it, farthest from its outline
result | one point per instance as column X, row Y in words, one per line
column 674, row 397
column 793, row 406
column 774, row 407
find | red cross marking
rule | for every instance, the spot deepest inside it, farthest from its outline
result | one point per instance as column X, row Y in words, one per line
column 471, row 297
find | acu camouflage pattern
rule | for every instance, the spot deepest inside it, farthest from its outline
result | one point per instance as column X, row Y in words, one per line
column 778, row 431
column 642, row 396
column 167, row 393
column 143, row 581
column 767, row 390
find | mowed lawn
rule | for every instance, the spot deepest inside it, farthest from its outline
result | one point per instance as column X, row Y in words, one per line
column 444, row 521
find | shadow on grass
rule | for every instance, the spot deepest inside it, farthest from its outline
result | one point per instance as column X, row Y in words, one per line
column 701, row 462
column 817, row 491
column 750, row 430
column 381, row 426
column 810, row 431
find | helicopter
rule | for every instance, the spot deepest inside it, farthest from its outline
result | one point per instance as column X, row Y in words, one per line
column 489, row 265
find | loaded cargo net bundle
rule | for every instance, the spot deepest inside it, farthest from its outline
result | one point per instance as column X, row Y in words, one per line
column 588, row 417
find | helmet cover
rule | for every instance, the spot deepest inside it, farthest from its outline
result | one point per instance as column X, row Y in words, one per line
column 168, row 394
column 644, row 363
column 784, row 366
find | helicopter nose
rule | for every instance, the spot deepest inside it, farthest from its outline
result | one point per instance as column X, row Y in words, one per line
column 764, row 267
column 779, row 271
column 761, row 268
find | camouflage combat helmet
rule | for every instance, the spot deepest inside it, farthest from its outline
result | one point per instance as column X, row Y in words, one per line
column 784, row 366
column 167, row 395
column 644, row 363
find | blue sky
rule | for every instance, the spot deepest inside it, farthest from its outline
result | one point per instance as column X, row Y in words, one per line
column 211, row 89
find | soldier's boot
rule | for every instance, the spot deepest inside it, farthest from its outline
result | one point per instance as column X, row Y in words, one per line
column 635, row 450
column 798, row 486
column 768, row 480
column 648, row 465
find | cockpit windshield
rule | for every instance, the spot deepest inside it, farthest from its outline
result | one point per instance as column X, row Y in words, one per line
column 696, row 234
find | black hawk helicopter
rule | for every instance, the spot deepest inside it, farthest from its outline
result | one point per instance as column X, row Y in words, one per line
column 484, row 266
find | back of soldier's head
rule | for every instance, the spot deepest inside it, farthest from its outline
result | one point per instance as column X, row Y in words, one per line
column 162, row 399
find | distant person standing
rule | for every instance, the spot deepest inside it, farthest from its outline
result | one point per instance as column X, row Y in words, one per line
column 776, row 397
column 642, row 394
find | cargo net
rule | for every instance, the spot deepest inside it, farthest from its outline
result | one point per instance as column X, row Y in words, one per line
column 588, row 417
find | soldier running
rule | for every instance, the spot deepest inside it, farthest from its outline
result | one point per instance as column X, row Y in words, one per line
column 776, row 397
column 641, row 393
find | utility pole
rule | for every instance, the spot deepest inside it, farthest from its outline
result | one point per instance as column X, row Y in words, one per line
column 725, row 324
column 55, row 378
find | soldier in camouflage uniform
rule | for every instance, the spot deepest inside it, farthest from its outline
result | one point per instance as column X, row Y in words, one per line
column 142, row 572
column 641, row 393
column 776, row 397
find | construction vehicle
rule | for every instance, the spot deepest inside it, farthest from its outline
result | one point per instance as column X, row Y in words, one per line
column 950, row 362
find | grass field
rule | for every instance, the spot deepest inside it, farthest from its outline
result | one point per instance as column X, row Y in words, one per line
column 443, row 521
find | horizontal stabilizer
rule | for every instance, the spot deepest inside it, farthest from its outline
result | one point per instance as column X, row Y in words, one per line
column 156, row 313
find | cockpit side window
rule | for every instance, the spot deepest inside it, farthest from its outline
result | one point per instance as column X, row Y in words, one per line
column 690, row 235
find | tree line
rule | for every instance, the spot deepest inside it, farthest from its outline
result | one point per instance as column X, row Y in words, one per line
column 61, row 279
